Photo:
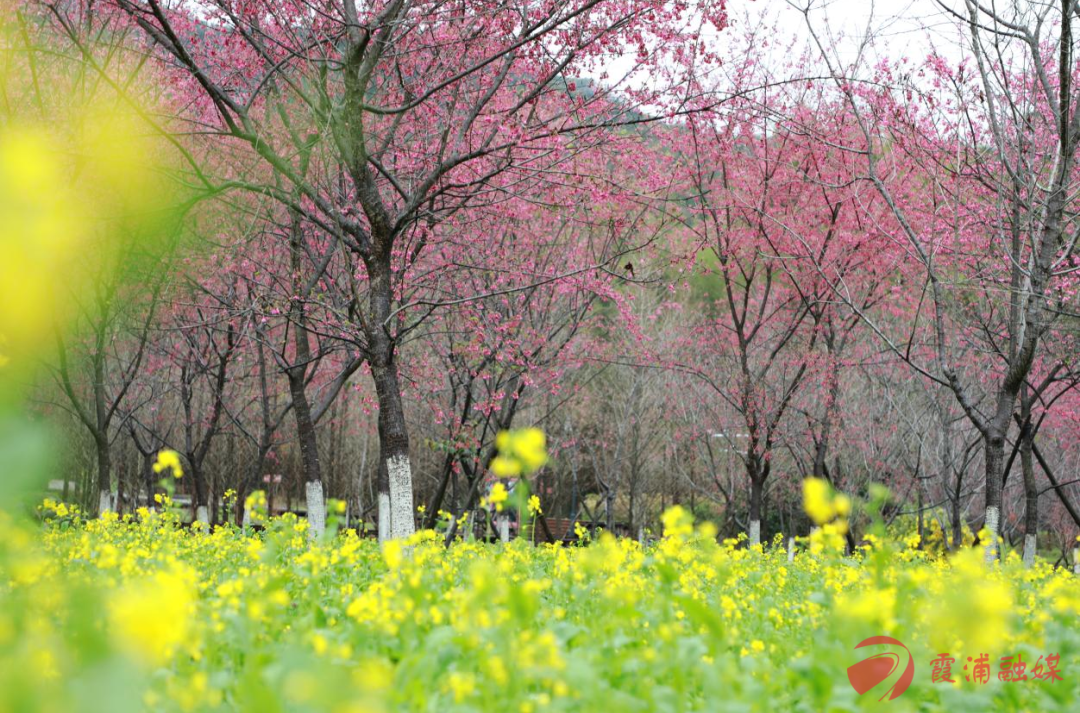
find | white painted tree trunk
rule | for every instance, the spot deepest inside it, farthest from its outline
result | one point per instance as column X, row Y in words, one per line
column 641, row 534
column 402, row 520
column 245, row 522
column 201, row 515
column 755, row 532
column 503, row 523
column 1029, row 550
column 791, row 549
column 1076, row 560
column 316, row 509
column 104, row 501
column 384, row 517
column 361, row 526
column 993, row 520
column 359, row 509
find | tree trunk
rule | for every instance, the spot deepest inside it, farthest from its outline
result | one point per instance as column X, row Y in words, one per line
column 756, row 487
column 995, row 462
column 431, row 516
column 384, row 506
column 200, row 498
column 954, row 488
column 121, row 473
column 957, row 526
column 104, row 468
column 309, row 452
column 920, row 526
column 316, row 508
column 297, row 376
column 361, row 471
column 1031, row 489
column 147, row 466
column 395, row 472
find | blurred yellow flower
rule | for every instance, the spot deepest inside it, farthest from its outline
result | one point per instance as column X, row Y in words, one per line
column 505, row 467
column 169, row 460
column 498, row 496
column 150, row 618
column 521, row 452
column 40, row 229
column 816, row 500
column 677, row 522
column 461, row 685
column 826, row 506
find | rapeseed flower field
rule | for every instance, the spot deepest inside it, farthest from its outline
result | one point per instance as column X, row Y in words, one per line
column 140, row 613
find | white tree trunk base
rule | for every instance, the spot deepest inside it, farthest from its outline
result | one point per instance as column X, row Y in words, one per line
column 384, row 517
column 316, row 509
column 1029, row 550
column 105, row 503
column 755, row 532
column 503, row 523
column 1076, row 560
column 402, row 517
column 791, row 549
column 993, row 520
column 245, row 522
column 201, row 515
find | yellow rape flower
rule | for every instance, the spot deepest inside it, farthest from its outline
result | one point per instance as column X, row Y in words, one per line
column 498, row 496
column 816, row 500
column 521, row 452
column 824, row 505
column 40, row 230
column 461, row 685
column 168, row 459
column 505, row 467
column 677, row 522
column 150, row 618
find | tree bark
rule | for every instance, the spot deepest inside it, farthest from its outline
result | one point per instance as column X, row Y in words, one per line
column 309, row 452
column 104, row 468
column 316, row 508
column 395, row 472
column 994, row 446
column 200, row 498
column 756, row 488
column 250, row 482
column 1031, row 489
